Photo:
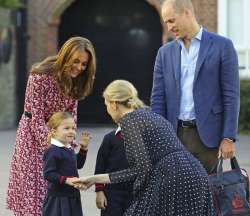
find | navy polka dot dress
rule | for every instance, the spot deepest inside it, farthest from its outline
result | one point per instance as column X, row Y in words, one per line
column 168, row 180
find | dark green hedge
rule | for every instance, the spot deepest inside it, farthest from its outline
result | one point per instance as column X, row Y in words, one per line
column 10, row 4
column 244, row 122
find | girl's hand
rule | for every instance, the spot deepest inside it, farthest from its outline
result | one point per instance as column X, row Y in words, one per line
column 84, row 140
column 70, row 181
column 85, row 182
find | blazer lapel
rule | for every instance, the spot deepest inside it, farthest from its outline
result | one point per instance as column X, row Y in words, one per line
column 177, row 63
column 206, row 42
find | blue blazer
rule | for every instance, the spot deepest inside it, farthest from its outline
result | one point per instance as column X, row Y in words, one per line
column 215, row 90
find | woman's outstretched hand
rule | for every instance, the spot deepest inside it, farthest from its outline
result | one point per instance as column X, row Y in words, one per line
column 84, row 183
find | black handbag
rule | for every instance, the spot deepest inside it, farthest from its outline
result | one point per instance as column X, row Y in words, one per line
column 230, row 190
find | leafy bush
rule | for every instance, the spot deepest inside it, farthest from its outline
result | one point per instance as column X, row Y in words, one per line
column 244, row 121
column 10, row 4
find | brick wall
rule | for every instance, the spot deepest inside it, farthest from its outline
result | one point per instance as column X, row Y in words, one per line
column 206, row 12
column 44, row 17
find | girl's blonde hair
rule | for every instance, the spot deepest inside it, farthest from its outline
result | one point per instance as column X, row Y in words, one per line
column 60, row 65
column 123, row 92
column 55, row 120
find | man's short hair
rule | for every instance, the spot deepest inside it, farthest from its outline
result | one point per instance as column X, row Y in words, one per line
column 180, row 5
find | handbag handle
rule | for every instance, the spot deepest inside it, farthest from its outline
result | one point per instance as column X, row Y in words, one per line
column 233, row 161
column 219, row 170
column 218, row 167
column 234, row 165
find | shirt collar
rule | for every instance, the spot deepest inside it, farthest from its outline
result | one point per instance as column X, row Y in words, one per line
column 199, row 34
column 118, row 130
column 59, row 144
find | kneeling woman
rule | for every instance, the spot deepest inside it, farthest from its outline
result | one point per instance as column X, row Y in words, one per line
column 168, row 180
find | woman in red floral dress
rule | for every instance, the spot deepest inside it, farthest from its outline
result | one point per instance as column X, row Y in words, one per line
column 55, row 84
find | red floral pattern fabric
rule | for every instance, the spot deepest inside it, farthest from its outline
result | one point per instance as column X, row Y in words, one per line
column 27, row 186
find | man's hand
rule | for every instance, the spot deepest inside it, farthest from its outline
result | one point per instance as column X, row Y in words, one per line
column 101, row 200
column 226, row 149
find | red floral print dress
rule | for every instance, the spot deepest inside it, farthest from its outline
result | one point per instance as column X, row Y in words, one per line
column 27, row 186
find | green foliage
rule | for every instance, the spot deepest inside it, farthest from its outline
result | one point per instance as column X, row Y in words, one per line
column 244, row 123
column 10, row 4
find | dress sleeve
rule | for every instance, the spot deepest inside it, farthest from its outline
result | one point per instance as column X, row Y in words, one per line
column 37, row 93
column 73, row 110
column 139, row 162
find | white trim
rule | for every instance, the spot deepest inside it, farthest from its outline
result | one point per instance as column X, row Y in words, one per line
column 223, row 30
column 59, row 143
column 222, row 17
column 246, row 73
column 118, row 130
column 247, row 23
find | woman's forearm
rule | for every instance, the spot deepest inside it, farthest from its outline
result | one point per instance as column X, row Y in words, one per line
column 100, row 178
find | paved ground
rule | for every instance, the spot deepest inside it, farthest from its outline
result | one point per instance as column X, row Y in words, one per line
column 7, row 139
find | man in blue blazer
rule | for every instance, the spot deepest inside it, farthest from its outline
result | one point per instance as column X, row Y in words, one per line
column 196, row 85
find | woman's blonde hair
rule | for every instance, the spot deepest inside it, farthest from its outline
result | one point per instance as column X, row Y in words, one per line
column 60, row 65
column 55, row 120
column 123, row 92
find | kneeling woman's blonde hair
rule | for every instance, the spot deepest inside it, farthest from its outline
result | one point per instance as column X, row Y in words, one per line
column 123, row 92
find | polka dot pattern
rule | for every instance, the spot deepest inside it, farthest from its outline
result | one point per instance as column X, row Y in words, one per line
column 168, row 180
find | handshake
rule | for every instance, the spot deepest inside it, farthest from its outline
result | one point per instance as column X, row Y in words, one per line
column 84, row 183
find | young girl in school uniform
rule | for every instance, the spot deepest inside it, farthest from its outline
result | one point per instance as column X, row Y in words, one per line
column 60, row 167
